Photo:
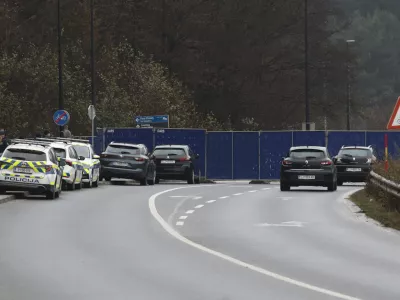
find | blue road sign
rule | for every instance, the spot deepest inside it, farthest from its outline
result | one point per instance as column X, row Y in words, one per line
column 156, row 121
column 61, row 117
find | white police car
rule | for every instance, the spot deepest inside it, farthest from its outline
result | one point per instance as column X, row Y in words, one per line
column 73, row 169
column 91, row 163
column 29, row 166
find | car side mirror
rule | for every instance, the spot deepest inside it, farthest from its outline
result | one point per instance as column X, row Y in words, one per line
column 61, row 162
column 96, row 156
column 81, row 158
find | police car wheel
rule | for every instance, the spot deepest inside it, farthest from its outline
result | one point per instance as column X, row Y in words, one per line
column 51, row 195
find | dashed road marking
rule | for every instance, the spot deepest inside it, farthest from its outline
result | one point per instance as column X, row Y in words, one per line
column 223, row 197
column 199, row 206
column 190, row 211
column 264, row 189
column 175, row 234
column 237, row 194
column 183, row 217
column 253, row 191
column 211, row 201
column 179, row 223
column 197, row 198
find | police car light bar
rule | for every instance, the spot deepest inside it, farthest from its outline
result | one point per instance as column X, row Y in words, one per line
column 73, row 140
column 30, row 142
column 51, row 140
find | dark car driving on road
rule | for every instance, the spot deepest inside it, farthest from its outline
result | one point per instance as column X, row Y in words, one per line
column 175, row 162
column 308, row 166
column 128, row 161
column 354, row 163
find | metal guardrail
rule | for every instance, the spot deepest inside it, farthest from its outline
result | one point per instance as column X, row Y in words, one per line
column 385, row 184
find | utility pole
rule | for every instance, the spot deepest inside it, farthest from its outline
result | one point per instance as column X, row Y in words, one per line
column 306, row 95
column 92, row 60
column 348, row 82
column 60, row 64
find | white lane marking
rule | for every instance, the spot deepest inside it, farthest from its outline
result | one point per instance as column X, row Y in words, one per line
column 283, row 224
column 199, row 206
column 180, row 196
column 264, row 189
column 253, row 191
column 211, row 201
column 237, row 194
column 183, row 217
column 180, row 223
column 175, row 234
column 285, row 198
column 190, row 211
column 197, row 198
column 223, row 197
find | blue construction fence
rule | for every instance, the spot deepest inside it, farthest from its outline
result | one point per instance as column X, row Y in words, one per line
column 246, row 155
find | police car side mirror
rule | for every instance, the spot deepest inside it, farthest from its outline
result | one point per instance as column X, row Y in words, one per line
column 81, row 158
column 96, row 156
column 61, row 162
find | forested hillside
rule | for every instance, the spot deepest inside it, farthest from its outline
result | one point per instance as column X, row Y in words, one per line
column 374, row 24
column 215, row 64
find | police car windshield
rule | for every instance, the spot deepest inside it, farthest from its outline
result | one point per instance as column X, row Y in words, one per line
column 25, row 154
column 356, row 152
column 307, row 153
column 82, row 151
column 60, row 152
column 122, row 149
column 169, row 152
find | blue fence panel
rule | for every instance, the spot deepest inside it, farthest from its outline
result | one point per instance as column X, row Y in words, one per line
column 130, row 135
column 219, row 155
column 377, row 140
column 195, row 138
column 273, row 146
column 245, row 155
column 309, row 138
column 336, row 139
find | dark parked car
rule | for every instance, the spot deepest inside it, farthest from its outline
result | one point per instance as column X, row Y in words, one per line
column 128, row 161
column 308, row 166
column 354, row 163
column 175, row 162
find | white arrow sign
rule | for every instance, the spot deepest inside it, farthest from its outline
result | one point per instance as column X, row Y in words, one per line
column 283, row 224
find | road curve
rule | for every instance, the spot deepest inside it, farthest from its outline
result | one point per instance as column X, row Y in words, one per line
column 105, row 244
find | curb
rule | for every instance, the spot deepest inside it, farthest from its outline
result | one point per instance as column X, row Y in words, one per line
column 6, row 198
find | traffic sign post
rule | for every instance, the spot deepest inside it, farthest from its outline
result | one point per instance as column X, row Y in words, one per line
column 92, row 116
column 394, row 121
column 161, row 121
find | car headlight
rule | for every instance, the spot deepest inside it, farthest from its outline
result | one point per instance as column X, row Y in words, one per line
column 369, row 161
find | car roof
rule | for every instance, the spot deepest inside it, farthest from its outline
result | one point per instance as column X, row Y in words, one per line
column 171, row 146
column 60, row 145
column 308, row 147
column 357, row 147
column 27, row 146
column 80, row 144
column 127, row 144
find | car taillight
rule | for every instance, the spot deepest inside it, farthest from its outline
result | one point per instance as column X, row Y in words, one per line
column 184, row 159
column 69, row 163
column 48, row 168
column 286, row 162
column 326, row 163
column 139, row 159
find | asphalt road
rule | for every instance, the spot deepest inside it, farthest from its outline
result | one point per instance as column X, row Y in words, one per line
column 132, row 242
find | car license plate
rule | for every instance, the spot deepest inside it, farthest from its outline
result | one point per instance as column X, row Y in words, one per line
column 23, row 170
column 168, row 162
column 306, row 177
column 353, row 169
column 120, row 164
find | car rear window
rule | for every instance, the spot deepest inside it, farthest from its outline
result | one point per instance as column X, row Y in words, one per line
column 355, row 152
column 169, row 152
column 307, row 153
column 122, row 149
column 82, row 151
column 25, row 154
column 60, row 152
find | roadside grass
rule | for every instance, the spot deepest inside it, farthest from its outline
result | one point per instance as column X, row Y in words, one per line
column 393, row 172
column 373, row 205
